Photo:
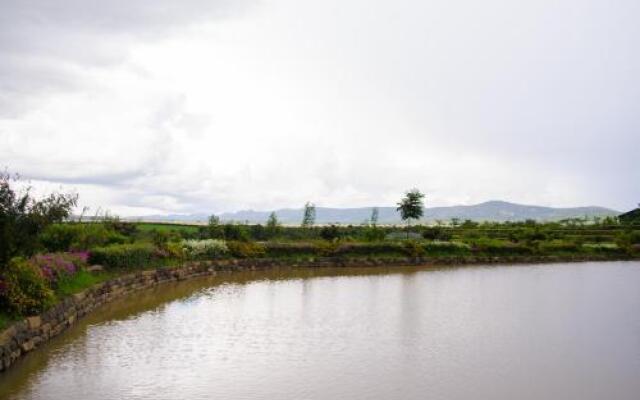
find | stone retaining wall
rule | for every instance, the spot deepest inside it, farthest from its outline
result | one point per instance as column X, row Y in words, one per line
column 26, row 335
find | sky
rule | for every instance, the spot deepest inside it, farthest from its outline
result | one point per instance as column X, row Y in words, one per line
column 208, row 106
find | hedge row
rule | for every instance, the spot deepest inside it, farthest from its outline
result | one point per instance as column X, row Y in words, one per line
column 135, row 255
column 140, row 255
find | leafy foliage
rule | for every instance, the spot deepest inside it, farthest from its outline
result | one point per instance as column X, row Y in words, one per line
column 23, row 218
column 246, row 249
column 79, row 236
column 411, row 206
column 135, row 255
column 24, row 289
column 208, row 248
column 330, row 232
column 59, row 266
column 273, row 226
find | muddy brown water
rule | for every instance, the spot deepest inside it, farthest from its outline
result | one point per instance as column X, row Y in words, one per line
column 557, row 331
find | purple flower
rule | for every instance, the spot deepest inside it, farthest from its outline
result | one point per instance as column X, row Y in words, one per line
column 81, row 255
column 56, row 265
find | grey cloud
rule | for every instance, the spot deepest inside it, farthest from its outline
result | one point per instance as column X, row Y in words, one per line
column 44, row 44
column 112, row 180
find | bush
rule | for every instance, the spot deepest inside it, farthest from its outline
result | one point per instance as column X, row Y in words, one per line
column 330, row 232
column 78, row 236
column 276, row 249
column 602, row 247
column 368, row 249
column 438, row 247
column 559, row 246
column 23, row 218
column 24, row 289
column 208, row 248
column 175, row 250
column 436, row 233
column 57, row 266
column 326, row 248
column 628, row 238
column 246, row 249
column 413, row 248
column 236, row 232
column 373, row 234
column 499, row 247
column 137, row 255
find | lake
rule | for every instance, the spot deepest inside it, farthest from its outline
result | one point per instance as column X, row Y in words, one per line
column 555, row 331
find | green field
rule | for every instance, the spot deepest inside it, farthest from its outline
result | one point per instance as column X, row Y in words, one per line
column 166, row 227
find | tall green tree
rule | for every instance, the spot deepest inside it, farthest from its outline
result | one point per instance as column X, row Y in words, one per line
column 411, row 207
column 309, row 217
column 23, row 218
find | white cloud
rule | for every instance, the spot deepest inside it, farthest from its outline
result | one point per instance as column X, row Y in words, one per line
column 210, row 107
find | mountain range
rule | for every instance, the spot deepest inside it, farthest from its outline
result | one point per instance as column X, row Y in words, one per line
column 487, row 211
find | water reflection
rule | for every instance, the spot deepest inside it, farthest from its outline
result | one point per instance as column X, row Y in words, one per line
column 528, row 332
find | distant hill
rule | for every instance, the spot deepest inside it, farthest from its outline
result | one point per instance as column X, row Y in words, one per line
column 487, row 211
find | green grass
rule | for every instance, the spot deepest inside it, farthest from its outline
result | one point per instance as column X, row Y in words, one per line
column 80, row 281
column 150, row 226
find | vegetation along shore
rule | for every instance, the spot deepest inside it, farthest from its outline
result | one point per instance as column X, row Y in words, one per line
column 47, row 258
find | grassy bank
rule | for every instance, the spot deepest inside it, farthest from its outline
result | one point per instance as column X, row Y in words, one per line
column 58, row 265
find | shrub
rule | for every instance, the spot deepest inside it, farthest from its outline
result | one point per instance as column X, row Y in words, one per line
column 439, row 247
column 373, row 233
column 23, row 218
column 436, row 233
column 367, row 249
column 413, row 248
column 330, row 232
column 57, row 266
column 628, row 238
column 78, row 236
column 277, row 249
column 207, row 248
column 559, row 246
column 24, row 289
column 246, row 249
column 135, row 255
column 236, row 232
column 326, row 248
column 602, row 247
column 499, row 247
column 175, row 250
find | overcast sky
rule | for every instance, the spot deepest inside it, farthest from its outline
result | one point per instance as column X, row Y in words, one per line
column 159, row 106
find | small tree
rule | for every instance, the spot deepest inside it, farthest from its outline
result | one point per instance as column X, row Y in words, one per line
column 411, row 207
column 23, row 218
column 309, row 218
column 273, row 225
column 330, row 233
column 214, row 228
column 374, row 216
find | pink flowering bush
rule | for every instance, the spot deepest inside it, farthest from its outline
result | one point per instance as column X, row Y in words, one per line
column 56, row 266
column 27, row 286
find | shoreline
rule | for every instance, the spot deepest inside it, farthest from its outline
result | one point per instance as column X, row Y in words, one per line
column 26, row 335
